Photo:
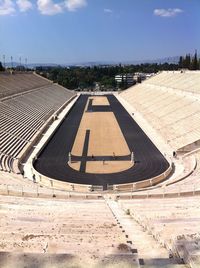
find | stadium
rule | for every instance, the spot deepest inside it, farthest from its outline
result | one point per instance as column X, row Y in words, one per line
column 99, row 134
column 100, row 179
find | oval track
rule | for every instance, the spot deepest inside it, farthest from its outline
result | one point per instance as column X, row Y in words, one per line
column 52, row 161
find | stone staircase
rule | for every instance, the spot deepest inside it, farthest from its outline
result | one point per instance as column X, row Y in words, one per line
column 145, row 248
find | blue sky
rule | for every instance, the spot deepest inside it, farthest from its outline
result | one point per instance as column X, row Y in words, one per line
column 70, row 31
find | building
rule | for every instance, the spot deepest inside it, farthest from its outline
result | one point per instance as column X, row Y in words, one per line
column 125, row 79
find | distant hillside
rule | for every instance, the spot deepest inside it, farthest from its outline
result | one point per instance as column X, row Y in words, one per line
column 31, row 65
column 93, row 63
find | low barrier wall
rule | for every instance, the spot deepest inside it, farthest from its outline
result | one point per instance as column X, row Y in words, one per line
column 62, row 185
column 158, row 196
column 189, row 148
column 185, row 174
column 42, row 192
column 143, row 184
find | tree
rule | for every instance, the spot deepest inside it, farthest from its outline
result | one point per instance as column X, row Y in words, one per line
column 180, row 62
column 194, row 63
column 74, row 77
column 1, row 67
column 188, row 61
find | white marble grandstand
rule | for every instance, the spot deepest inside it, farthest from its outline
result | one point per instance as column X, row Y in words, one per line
column 170, row 102
column 27, row 102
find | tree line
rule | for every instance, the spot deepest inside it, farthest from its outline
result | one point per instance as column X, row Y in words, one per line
column 190, row 62
column 81, row 78
column 84, row 77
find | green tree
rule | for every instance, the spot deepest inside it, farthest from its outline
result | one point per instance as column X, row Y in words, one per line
column 194, row 62
column 180, row 63
column 1, row 67
column 187, row 61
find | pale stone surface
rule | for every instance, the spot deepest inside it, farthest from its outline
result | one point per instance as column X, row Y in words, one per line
column 84, row 230
column 173, row 222
column 170, row 106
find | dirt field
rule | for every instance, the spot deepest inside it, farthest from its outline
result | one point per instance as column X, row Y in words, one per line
column 98, row 167
column 99, row 100
column 105, row 139
column 75, row 165
column 105, row 135
column 107, row 167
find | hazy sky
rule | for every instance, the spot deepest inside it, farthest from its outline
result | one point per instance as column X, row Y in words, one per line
column 72, row 31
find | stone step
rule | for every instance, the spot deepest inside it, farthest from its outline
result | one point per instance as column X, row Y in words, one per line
column 13, row 237
column 159, row 261
column 164, row 266
column 149, row 250
column 120, row 261
column 13, row 260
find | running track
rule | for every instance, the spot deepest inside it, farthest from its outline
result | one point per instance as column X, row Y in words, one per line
column 52, row 161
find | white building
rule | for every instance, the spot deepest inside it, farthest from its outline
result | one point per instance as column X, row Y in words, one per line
column 127, row 79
